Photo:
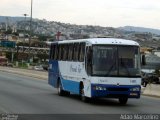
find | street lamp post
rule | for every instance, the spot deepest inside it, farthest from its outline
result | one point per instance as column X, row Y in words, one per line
column 24, row 30
column 24, row 35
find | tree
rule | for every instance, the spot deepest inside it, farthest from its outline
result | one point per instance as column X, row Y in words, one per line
column 43, row 56
column 9, row 55
column 157, row 72
column 42, row 37
column 9, row 31
column 22, row 43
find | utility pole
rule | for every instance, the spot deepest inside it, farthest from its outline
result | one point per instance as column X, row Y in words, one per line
column 7, row 24
column 30, row 32
column 7, row 19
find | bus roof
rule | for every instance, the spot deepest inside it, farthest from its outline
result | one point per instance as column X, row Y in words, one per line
column 110, row 41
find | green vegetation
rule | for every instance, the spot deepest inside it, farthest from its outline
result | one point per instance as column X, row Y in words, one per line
column 157, row 71
column 21, row 64
column 42, row 37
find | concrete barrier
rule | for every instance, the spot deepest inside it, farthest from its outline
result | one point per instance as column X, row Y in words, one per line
column 152, row 89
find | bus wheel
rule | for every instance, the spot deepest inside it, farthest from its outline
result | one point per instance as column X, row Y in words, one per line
column 83, row 97
column 123, row 101
column 61, row 92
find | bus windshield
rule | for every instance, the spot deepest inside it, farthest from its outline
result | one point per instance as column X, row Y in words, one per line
column 116, row 61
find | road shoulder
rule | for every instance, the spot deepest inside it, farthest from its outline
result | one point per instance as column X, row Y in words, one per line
column 26, row 72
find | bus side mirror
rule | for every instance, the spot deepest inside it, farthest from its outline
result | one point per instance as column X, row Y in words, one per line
column 143, row 60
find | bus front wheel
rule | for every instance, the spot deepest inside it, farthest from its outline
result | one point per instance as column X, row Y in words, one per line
column 123, row 101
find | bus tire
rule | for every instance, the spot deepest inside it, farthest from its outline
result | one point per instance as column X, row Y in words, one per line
column 61, row 92
column 123, row 100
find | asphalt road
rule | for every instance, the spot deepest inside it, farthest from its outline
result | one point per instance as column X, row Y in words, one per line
column 26, row 95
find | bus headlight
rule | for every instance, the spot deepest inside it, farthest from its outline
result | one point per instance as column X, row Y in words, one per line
column 135, row 89
column 99, row 88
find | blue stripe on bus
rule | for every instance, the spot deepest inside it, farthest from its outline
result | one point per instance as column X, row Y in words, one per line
column 71, row 86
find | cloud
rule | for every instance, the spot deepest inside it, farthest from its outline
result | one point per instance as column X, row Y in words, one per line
column 14, row 8
column 100, row 12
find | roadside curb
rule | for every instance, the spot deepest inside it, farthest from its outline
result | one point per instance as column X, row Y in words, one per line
column 156, row 96
column 152, row 90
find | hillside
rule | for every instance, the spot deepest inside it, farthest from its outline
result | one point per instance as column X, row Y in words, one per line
column 140, row 29
column 49, row 29
column 10, row 19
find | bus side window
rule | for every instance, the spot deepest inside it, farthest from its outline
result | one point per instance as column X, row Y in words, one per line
column 65, row 54
column 76, row 50
column 55, row 52
column 70, row 54
column 59, row 52
column 62, row 52
column 51, row 52
column 89, row 60
column 67, row 49
column 81, row 53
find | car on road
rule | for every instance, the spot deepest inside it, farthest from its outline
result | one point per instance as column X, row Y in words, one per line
column 150, row 78
column 45, row 67
column 39, row 68
column 10, row 64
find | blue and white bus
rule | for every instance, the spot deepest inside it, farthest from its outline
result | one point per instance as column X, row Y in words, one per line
column 94, row 68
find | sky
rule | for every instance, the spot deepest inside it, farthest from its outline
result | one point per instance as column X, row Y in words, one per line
column 107, row 13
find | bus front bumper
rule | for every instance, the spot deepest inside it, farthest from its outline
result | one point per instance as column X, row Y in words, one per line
column 114, row 91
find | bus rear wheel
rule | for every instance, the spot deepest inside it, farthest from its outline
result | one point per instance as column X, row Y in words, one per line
column 61, row 92
column 123, row 101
